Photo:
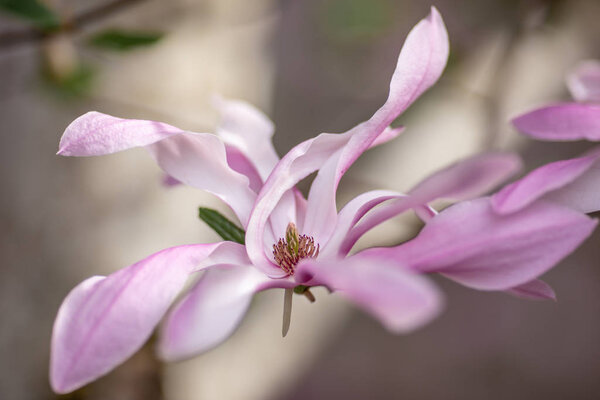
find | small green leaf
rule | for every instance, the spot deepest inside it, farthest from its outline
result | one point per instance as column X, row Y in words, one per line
column 220, row 224
column 124, row 40
column 33, row 11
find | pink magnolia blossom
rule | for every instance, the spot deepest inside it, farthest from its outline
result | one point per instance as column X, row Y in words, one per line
column 573, row 182
column 292, row 241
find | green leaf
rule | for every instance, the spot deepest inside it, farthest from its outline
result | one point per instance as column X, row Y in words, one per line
column 220, row 224
column 124, row 40
column 33, row 11
column 74, row 85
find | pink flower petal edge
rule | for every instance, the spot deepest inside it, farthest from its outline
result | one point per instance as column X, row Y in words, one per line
column 584, row 81
column 561, row 122
column 462, row 180
column 400, row 299
column 488, row 251
column 249, row 130
column 533, row 290
column 558, row 176
column 104, row 320
column 210, row 312
column 95, row 134
column 200, row 160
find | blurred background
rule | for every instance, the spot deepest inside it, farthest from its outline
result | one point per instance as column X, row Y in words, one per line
column 312, row 66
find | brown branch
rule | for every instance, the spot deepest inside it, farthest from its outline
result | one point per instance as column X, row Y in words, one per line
column 28, row 35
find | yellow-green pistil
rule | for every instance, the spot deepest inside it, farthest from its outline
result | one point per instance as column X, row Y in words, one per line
column 289, row 251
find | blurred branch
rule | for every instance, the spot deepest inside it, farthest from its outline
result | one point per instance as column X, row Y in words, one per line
column 27, row 35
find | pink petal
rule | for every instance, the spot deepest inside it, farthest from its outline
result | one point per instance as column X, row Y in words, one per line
column 565, row 176
column 104, row 320
column 420, row 64
column 95, row 134
column 471, row 244
column 169, row 181
column 248, row 129
column 561, row 122
column 533, row 290
column 468, row 178
column 200, row 160
column 238, row 162
column 210, row 312
column 584, row 82
column 401, row 300
column 462, row 180
column 300, row 208
column 388, row 134
column 197, row 160
column 581, row 194
column 349, row 216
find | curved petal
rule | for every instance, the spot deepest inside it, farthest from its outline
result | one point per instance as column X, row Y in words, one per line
column 196, row 159
column 210, row 312
column 421, row 62
column 168, row 181
column 387, row 135
column 471, row 244
column 533, row 290
column 95, row 134
column 248, row 129
column 462, row 180
column 467, row 178
column 300, row 208
column 584, row 81
column 400, row 299
column 349, row 216
column 561, row 122
column 200, row 160
column 238, row 162
column 581, row 194
column 104, row 320
column 549, row 178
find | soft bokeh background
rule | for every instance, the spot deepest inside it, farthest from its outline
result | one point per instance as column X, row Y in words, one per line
column 312, row 66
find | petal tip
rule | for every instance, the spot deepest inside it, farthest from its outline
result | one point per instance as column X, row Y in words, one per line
column 434, row 12
column 62, row 383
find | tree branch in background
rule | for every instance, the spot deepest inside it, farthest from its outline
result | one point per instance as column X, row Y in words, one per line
column 35, row 34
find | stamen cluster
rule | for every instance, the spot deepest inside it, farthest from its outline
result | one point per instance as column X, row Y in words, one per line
column 289, row 251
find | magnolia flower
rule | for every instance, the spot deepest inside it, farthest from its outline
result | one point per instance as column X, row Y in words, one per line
column 573, row 182
column 295, row 243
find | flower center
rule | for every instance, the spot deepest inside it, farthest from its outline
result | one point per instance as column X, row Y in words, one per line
column 289, row 251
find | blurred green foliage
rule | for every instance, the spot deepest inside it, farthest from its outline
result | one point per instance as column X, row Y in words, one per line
column 33, row 11
column 124, row 40
column 75, row 84
column 357, row 19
